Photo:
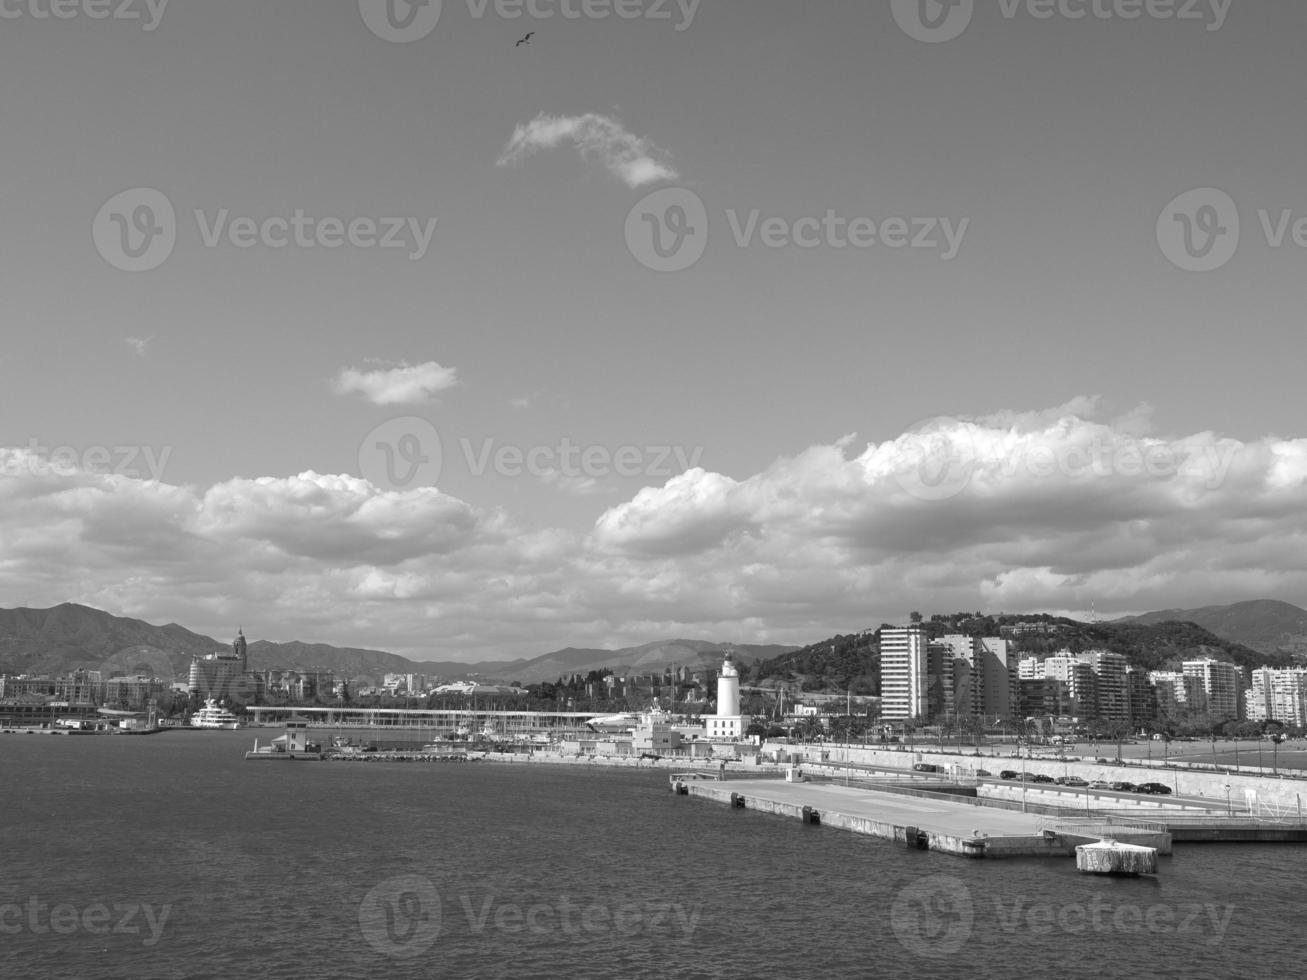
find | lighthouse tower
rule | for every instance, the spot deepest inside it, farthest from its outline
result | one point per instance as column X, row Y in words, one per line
column 728, row 722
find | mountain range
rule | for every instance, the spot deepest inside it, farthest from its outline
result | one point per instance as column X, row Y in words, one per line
column 71, row 637
column 1268, row 626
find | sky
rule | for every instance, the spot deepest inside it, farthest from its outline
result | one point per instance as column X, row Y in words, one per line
column 381, row 325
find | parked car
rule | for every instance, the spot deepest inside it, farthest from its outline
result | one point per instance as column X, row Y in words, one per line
column 1009, row 774
column 1123, row 787
column 1100, row 784
column 983, row 772
column 1074, row 781
column 927, row 767
column 1039, row 777
column 1157, row 789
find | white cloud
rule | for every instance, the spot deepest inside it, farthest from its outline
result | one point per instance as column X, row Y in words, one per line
column 634, row 160
column 401, row 384
column 1046, row 514
column 138, row 344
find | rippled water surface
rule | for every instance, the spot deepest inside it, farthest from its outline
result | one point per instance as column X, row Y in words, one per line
column 170, row 856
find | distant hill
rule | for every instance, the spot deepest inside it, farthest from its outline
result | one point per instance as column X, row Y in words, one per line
column 646, row 658
column 71, row 637
column 852, row 662
column 1265, row 625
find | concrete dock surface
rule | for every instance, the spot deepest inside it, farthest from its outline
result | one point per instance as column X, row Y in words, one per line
column 941, row 824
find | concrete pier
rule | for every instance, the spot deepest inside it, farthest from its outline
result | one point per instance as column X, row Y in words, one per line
column 945, row 825
column 1110, row 857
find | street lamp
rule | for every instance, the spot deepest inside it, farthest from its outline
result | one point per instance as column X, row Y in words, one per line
column 1229, row 806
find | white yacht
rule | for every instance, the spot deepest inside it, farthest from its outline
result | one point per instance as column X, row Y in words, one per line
column 213, row 716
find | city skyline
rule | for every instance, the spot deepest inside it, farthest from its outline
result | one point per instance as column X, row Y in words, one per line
column 754, row 324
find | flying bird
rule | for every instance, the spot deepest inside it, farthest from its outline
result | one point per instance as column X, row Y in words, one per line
column 525, row 40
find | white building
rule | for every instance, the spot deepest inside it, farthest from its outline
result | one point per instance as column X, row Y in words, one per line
column 1278, row 695
column 904, row 673
column 727, row 722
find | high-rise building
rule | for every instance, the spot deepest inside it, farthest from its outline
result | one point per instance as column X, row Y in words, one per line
column 1139, row 694
column 1222, row 684
column 904, row 673
column 1112, row 702
column 1278, row 695
column 995, row 662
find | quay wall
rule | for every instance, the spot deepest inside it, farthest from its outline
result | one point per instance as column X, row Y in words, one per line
column 1281, row 792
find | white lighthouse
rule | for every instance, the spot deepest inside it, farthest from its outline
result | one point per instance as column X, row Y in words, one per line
column 728, row 722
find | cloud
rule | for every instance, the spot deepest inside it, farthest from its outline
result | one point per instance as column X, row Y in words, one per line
column 138, row 343
column 632, row 159
column 1042, row 511
column 403, row 384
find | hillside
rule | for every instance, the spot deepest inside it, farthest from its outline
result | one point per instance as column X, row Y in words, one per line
column 1265, row 625
column 852, row 662
column 71, row 636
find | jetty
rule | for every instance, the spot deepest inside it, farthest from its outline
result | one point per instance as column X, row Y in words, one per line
column 932, row 822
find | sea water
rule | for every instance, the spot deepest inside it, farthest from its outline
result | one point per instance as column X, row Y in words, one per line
column 171, row 856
